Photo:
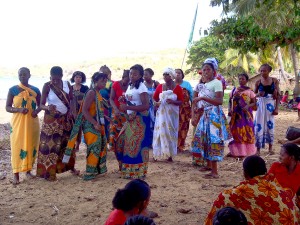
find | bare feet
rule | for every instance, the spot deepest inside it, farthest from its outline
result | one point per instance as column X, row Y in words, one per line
column 75, row 172
column 204, row 169
column 16, row 180
column 29, row 175
column 211, row 176
column 170, row 159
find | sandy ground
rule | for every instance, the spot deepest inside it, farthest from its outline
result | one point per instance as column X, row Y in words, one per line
column 70, row 200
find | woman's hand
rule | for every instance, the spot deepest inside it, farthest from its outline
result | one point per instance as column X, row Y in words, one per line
column 23, row 110
column 246, row 108
column 34, row 114
column 51, row 108
column 197, row 99
column 275, row 112
column 169, row 101
column 123, row 107
column 97, row 126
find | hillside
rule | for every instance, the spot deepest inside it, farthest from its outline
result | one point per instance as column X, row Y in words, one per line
column 157, row 60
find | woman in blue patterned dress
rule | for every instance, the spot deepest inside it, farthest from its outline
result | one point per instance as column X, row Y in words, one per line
column 267, row 90
column 212, row 130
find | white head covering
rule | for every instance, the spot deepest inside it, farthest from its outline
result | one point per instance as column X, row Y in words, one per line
column 170, row 71
column 213, row 61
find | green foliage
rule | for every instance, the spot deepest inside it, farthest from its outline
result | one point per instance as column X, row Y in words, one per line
column 206, row 47
column 245, row 34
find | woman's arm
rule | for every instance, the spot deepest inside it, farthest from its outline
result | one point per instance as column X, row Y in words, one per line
column 218, row 100
column 277, row 97
column 72, row 101
column 139, row 108
column 89, row 99
column 112, row 102
column 10, row 109
column 45, row 93
column 38, row 109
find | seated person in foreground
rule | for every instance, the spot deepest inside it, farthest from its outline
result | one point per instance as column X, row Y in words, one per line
column 229, row 216
column 139, row 220
column 132, row 200
column 260, row 197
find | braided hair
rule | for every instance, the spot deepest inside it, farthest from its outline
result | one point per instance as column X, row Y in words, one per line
column 139, row 220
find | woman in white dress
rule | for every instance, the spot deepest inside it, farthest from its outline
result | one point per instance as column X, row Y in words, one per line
column 168, row 98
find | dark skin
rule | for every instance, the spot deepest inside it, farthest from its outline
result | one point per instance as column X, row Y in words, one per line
column 124, row 85
column 267, row 80
column 148, row 79
column 56, row 80
column 243, row 81
column 170, row 85
column 134, row 77
column 24, row 76
column 207, row 76
column 89, row 99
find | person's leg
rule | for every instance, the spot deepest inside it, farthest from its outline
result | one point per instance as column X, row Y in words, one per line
column 29, row 174
column 16, row 179
column 271, row 152
column 214, row 168
column 258, row 152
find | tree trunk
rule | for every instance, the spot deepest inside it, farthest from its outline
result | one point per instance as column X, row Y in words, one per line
column 295, row 60
column 280, row 62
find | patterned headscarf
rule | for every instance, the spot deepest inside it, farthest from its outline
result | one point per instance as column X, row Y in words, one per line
column 170, row 71
column 213, row 61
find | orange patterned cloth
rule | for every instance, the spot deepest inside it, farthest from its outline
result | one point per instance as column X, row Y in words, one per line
column 261, row 199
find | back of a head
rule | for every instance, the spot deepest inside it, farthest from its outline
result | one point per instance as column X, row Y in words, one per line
column 139, row 220
column 292, row 150
column 229, row 216
column 134, row 192
column 254, row 166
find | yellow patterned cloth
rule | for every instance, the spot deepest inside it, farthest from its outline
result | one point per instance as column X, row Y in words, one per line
column 25, row 130
column 262, row 200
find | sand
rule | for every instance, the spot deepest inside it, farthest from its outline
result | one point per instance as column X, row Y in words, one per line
column 175, row 186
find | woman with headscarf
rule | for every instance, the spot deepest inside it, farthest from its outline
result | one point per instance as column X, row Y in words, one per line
column 133, row 143
column 23, row 102
column 267, row 90
column 184, row 109
column 168, row 97
column 91, row 119
column 212, row 130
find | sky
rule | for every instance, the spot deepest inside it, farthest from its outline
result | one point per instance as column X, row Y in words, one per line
column 47, row 31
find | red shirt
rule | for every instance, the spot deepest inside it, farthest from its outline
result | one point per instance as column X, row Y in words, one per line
column 177, row 90
column 285, row 179
column 118, row 92
column 116, row 217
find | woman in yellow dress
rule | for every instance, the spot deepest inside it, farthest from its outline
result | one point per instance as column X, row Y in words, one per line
column 23, row 101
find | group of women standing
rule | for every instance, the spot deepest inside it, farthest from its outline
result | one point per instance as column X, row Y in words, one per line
column 134, row 115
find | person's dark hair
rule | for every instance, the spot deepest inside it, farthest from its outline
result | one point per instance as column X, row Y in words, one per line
column 105, row 69
column 24, row 68
column 97, row 76
column 149, row 70
column 292, row 150
column 139, row 68
column 181, row 72
column 254, row 166
column 125, row 73
column 139, row 220
column 267, row 65
column 78, row 73
column 134, row 193
column 209, row 64
column 245, row 75
column 229, row 216
column 286, row 92
column 56, row 71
